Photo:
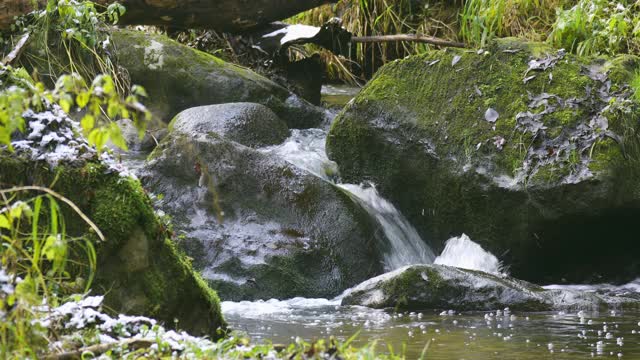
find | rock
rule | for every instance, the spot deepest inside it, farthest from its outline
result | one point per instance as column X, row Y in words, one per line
column 257, row 226
column 178, row 77
column 530, row 151
column 139, row 269
column 249, row 124
column 421, row 287
column 132, row 138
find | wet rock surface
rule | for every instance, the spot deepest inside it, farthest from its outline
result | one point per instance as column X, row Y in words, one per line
column 257, row 226
column 249, row 124
column 420, row 287
column 530, row 151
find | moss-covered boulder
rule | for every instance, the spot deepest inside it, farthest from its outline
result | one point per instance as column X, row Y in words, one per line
column 249, row 124
column 178, row 77
column 139, row 269
column 421, row 287
column 530, row 151
column 257, row 226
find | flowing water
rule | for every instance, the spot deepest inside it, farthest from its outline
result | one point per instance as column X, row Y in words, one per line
column 457, row 336
column 448, row 335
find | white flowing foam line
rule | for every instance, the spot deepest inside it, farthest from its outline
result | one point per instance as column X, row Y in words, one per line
column 633, row 286
column 259, row 308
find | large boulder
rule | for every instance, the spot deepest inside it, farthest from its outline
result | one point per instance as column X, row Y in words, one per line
column 178, row 77
column 256, row 225
column 421, row 287
column 139, row 269
column 249, row 124
column 532, row 152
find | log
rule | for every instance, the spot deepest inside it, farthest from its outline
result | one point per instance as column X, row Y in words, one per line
column 407, row 37
column 223, row 15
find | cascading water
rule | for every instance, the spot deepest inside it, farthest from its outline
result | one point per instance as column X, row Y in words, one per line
column 404, row 247
column 528, row 337
column 306, row 150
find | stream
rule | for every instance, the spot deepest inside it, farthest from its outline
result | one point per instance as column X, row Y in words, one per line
column 445, row 334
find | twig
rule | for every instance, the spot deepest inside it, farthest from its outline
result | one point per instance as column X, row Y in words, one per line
column 17, row 50
column 61, row 198
column 99, row 349
column 407, row 37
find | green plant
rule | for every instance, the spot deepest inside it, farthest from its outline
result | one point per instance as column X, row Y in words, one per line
column 598, row 27
column 384, row 17
column 635, row 85
column 70, row 36
column 481, row 20
column 100, row 100
column 36, row 257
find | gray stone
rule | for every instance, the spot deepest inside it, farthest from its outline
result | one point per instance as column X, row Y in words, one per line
column 249, row 124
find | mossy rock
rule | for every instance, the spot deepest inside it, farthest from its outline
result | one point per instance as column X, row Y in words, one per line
column 422, row 287
column 178, row 77
column 139, row 269
column 256, row 226
column 532, row 152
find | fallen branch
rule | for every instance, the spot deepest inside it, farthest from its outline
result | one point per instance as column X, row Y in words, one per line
column 407, row 37
column 99, row 349
column 17, row 50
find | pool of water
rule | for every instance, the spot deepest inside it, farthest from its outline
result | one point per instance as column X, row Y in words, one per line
column 448, row 335
column 336, row 96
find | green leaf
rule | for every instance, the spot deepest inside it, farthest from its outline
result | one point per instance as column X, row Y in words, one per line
column 4, row 222
column 139, row 91
column 66, row 102
column 98, row 137
column 88, row 122
column 113, row 108
column 82, row 99
column 54, row 248
column 115, row 135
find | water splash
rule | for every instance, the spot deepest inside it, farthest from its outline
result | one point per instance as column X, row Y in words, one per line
column 404, row 247
column 462, row 252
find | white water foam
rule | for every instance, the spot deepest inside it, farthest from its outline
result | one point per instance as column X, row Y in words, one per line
column 633, row 286
column 463, row 253
column 258, row 309
column 306, row 150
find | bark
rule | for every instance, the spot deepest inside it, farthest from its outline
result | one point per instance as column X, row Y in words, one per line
column 223, row 15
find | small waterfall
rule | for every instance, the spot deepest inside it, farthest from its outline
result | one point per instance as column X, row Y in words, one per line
column 405, row 247
column 306, row 150
column 462, row 252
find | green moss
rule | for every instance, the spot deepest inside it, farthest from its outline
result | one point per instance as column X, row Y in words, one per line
column 159, row 282
column 418, row 130
column 178, row 77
